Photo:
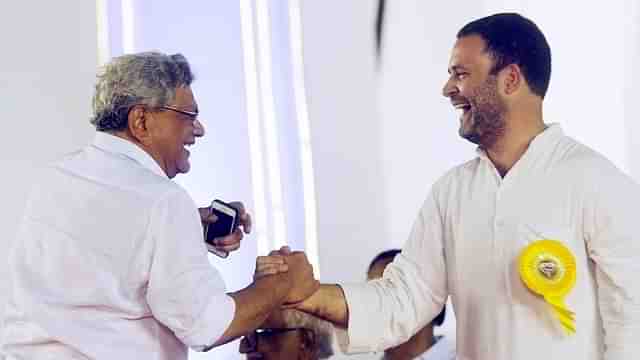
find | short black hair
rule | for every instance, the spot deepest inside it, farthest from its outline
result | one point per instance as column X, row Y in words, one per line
column 513, row 39
column 391, row 254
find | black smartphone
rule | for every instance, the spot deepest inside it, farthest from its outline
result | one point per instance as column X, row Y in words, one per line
column 225, row 225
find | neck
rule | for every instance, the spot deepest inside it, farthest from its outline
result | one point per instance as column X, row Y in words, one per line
column 125, row 134
column 521, row 128
column 414, row 347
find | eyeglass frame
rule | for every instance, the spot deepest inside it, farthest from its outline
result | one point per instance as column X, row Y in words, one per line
column 191, row 114
column 252, row 337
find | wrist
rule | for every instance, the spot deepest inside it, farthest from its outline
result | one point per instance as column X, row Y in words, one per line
column 279, row 285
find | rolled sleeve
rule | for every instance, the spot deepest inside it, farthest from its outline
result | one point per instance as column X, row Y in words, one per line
column 185, row 292
column 388, row 311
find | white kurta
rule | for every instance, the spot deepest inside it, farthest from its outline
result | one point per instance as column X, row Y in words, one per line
column 110, row 263
column 466, row 241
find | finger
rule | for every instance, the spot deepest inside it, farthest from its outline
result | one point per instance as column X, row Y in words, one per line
column 285, row 250
column 291, row 305
column 246, row 222
column 234, row 238
column 277, row 267
column 206, row 215
column 272, row 269
column 262, row 273
column 274, row 253
column 271, row 259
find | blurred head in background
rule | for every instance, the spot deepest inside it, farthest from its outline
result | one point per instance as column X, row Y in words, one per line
column 289, row 334
column 423, row 339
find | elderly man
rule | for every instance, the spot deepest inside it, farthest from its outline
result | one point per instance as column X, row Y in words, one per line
column 110, row 261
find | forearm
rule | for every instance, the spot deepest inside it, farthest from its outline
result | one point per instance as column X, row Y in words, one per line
column 254, row 304
column 328, row 303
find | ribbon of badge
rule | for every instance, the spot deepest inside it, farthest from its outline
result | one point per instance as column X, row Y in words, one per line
column 548, row 268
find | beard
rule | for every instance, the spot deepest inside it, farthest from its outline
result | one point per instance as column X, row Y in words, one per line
column 484, row 123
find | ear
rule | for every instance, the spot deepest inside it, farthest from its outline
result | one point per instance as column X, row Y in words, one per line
column 138, row 125
column 511, row 79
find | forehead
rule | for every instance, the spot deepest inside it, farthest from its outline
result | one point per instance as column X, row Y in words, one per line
column 184, row 96
column 469, row 52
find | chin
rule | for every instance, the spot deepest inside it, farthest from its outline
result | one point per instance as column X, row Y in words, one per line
column 183, row 168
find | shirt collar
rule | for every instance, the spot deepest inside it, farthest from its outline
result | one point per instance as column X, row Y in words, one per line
column 552, row 132
column 117, row 145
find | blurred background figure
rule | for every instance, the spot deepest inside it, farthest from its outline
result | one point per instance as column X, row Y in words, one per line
column 291, row 335
column 424, row 344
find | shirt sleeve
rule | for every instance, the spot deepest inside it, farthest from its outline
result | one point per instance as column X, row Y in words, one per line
column 613, row 242
column 185, row 292
column 388, row 311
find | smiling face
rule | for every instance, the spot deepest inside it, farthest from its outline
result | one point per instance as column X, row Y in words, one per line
column 171, row 132
column 473, row 90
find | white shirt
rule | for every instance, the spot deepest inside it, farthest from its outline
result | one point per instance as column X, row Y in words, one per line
column 466, row 241
column 110, row 263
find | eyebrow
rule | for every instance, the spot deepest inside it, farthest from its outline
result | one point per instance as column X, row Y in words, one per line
column 456, row 68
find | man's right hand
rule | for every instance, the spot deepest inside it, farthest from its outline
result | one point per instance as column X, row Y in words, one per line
column 301, row 276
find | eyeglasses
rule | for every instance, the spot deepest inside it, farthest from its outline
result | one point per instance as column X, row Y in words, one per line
column 193, row 115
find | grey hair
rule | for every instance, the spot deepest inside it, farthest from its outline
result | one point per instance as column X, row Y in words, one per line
column 323, row 330
column 147, row 78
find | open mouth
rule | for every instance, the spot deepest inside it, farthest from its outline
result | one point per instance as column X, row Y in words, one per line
column 464, row 108
column 186, row 145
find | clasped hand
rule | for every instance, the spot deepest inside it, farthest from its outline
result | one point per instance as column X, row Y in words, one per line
column 296, row 266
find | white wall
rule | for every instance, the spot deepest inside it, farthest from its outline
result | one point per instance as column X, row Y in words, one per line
column 345, row 135
column 47, row 70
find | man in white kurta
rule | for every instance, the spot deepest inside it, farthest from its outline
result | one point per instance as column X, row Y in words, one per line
column 466, row 241
column 124, row 276
column 110, row 260
column 529, row 182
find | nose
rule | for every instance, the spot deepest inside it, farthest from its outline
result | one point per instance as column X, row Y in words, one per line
column 198, row 128
column 449, row 88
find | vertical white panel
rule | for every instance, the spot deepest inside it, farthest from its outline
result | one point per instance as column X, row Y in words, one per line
column 304, row 133
column 128, row 26
column 279, row 235
column 254, row 126
column 102, row 22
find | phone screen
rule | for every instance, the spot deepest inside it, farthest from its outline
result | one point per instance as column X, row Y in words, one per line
column 226, row 222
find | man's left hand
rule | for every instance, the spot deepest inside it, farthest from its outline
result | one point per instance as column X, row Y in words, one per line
column 230, row 242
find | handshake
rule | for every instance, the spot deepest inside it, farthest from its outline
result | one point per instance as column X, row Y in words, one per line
column 294, row 268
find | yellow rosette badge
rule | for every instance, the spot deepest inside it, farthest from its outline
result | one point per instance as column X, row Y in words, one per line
column 548, row 268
